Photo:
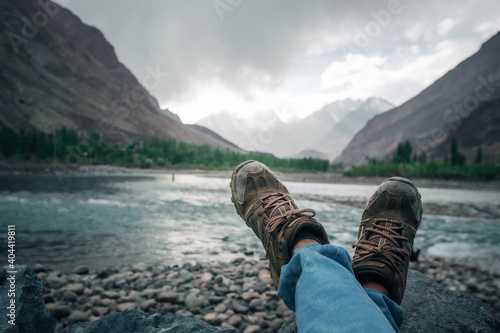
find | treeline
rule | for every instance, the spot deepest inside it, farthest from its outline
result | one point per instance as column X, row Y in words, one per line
column 406, row 162
column 66, row 146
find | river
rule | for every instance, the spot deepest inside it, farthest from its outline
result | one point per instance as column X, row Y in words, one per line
column 111, row 220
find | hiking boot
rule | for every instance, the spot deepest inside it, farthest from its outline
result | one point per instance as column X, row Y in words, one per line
column 385, row 237
column 265, row 205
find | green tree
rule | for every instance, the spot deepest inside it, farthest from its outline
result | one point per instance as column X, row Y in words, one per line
column 403, row 153
column 407, row 151
column 457, row 158
column 8, row 142
column 479, row 156
column 422, row 158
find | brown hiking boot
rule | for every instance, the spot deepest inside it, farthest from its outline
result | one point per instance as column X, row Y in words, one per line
column 385, row 237
column 264, row 203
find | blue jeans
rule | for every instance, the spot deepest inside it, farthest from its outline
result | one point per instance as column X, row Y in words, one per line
column 319, row 285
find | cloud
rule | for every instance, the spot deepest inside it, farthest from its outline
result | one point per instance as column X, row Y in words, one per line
column 280, row 50
column 420, row 32
column 445, row 26
column 362, row 76
column 340, row 73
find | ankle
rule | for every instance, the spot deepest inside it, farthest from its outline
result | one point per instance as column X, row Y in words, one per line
column 376, row 286
column 303, row 242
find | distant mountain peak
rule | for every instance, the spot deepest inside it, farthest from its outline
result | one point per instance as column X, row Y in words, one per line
column 284, row 135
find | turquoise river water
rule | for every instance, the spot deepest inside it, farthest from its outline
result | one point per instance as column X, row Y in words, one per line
column 111, row 220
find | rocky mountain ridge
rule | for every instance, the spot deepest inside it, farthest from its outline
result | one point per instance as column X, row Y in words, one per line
column 464, row 103
column 56, row 71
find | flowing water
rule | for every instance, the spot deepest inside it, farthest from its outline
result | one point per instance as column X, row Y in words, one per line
column 111, row 220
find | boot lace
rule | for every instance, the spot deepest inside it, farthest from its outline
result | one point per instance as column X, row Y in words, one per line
column 286, row 217
column 388, row 253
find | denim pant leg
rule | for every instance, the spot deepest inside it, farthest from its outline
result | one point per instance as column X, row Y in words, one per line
column 319, row 285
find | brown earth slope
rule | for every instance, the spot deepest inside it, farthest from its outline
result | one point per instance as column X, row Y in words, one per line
column 57, row 71
column 463, row 103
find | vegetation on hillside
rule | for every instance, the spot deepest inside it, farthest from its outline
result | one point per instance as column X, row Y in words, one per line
column 66, row 147
column 407, row 163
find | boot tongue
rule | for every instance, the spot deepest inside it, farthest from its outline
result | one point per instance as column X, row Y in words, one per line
column 381, row 240
column 392, row 208
column 282, row 209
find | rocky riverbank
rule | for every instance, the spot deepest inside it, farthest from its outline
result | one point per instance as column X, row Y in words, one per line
column 238, row 294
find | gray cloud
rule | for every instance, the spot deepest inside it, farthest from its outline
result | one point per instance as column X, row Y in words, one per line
column 259, row 38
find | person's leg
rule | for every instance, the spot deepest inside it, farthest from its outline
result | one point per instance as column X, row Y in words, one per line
column 319, row 285
column 323, row 274
column 385, row 237
column 265, row 205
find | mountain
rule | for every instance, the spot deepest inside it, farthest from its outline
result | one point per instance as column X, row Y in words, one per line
column 464, row 103
column 57, row 71
column 286, row 136
column 213, row 135
column 332, row 143
column 310, row 153
column 232, row 127
column 171, row 115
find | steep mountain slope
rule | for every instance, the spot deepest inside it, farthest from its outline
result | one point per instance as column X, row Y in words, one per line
column 56, row 71
column 448, row 107
column 212, row 134
column 481, row 129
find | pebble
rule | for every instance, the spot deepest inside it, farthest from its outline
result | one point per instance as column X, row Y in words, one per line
column 77, row 316
column 220, row 308
column 146, row 305
column 100, row 310
column 206, row 277
column 61, row 311
column 239, row 307
column 193, row 301
column 110, row 294
column 82, row 269
column 209, row 317
column 275, row 324
column 256, row 304
column 83, row 299
column 38, row 268
column 234, row 320
column 252, row 329
column 140, row 267
column 169, row 297
column 69, row 296
column 129, row 305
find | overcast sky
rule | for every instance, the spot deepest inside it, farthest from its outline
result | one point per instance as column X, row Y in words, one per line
column 293, row 56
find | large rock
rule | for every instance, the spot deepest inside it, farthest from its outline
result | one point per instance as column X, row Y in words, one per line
column 134, row 321
column 431, row 308
column 27, row 292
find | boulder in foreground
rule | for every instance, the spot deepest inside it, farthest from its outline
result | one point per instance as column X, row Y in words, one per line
column 134, row 321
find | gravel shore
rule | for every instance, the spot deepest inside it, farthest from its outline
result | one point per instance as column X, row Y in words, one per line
column 238, row 294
